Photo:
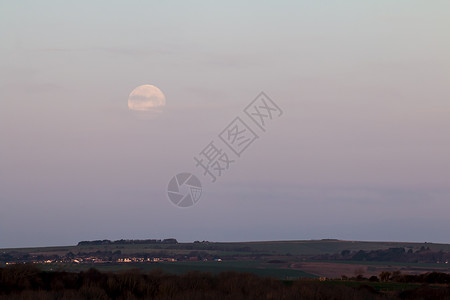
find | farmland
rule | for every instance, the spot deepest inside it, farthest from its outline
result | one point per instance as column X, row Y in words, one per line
column 279, row 259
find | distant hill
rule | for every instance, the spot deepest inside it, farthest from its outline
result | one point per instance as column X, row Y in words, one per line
column 299, row 247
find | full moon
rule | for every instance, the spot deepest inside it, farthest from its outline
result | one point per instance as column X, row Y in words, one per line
column 146, row 98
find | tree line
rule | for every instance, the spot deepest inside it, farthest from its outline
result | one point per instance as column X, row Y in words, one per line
column 422, row 255
column 127, row 242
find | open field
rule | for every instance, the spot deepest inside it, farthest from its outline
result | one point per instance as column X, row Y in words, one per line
column 186, row 266
column 286, row 270
column 337, row 269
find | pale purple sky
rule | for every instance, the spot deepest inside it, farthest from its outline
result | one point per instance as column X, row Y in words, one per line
column 361, row 151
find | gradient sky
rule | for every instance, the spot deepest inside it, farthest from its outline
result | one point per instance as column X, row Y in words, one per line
column 361, row 151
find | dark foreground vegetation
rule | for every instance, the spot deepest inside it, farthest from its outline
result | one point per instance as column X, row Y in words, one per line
column 23, row 281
